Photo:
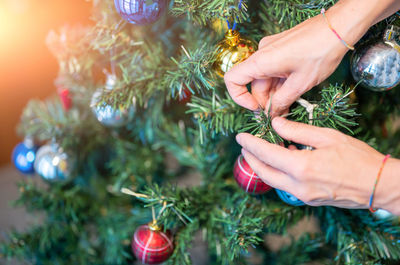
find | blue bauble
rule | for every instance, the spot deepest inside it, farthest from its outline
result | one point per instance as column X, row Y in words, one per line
column 140, row 12
column 289, row 198
column 23, row 157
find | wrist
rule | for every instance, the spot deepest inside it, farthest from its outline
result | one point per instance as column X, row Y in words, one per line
column 352, row 20
column 387, row 195
column 349, row 20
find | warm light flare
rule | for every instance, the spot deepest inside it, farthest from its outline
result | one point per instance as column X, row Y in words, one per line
column 10, row 26
column 27, row 68
column 5, row 28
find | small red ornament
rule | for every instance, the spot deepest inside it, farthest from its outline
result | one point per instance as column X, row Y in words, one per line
column 65, row 98
column 151, row 245
column 186, row 96
column 248, row 179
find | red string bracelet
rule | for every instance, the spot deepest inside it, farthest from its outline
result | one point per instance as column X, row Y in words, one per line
column 334, row 31
column 371, row 199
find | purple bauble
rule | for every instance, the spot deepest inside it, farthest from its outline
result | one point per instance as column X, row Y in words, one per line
column 140, row 12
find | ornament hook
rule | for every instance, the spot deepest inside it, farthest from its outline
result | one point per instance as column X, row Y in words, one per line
column 392, row 36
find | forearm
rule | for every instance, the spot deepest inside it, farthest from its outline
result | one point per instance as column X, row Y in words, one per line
column 388, row 189
column 352, row 18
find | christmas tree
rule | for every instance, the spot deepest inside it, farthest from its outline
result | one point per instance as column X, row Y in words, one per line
column 142, row 106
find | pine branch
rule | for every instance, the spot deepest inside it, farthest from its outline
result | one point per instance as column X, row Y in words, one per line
column 202, row 12
column 241, row 221
column 183, row 242
column 184, row 144
column 47, row 120
column 216, row 115
column 63, row 203
column 334, row 110
column 191, row 72
column 49, row 245
column 277, row 16
column 359, row 237
column 299, row 251
column 138, row 78
column 115, row 230
column 242, row 229
column 134, row 170
column 259, row 124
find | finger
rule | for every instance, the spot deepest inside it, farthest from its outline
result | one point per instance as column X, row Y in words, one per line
column 271, row 154
column 236, row 80
column 269, row 175
column 294, row 86
column 276, row 85
column 245, row 72
column 301, row 133
column 260, row 90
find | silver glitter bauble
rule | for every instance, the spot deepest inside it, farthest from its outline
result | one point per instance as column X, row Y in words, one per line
column 110, row 116
column 52, row 163
column 377, row 66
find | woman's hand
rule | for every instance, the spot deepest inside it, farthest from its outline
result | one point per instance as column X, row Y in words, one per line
column 290, row 63
column 286, row 66
column 341, row 171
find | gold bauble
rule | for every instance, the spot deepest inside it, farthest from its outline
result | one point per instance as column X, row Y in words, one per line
column 232, row 50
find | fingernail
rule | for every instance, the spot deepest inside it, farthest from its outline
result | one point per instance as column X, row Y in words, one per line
column 244, row 152
column 238, row 138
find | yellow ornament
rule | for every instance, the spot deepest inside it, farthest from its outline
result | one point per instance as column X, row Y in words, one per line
column 232, row 50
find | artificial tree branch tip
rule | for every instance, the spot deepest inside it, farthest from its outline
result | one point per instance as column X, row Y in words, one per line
column 132, row 193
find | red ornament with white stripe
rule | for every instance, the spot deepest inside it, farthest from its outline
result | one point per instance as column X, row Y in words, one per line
column 151, row 245
column 248, row 179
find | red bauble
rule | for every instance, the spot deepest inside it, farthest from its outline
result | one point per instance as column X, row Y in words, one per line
column 248, row 179
column 151, row 245
column 65, row 98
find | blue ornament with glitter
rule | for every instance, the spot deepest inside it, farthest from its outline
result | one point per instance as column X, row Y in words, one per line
column 140, row 12
column 289, row 198
column 23, row 156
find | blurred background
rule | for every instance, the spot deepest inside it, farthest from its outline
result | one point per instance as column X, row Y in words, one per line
column 27, row 68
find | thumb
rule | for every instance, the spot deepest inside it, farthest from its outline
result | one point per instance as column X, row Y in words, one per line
column 300, row 133
column 294, row 86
